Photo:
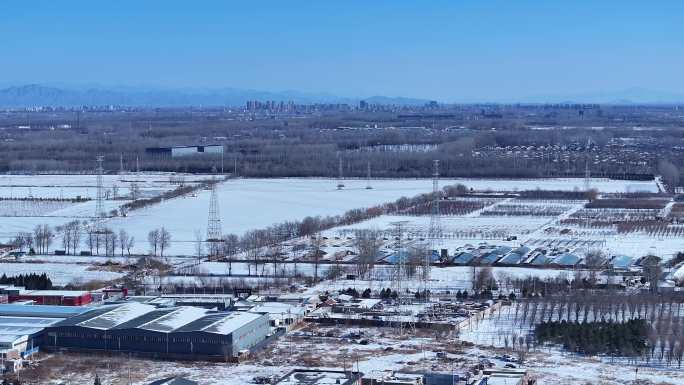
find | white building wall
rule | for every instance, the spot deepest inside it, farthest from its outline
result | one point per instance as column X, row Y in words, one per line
column 194, row 150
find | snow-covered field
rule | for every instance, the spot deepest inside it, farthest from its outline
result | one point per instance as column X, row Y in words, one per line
column 257, row 203
column 60, row 273
column 71, row 186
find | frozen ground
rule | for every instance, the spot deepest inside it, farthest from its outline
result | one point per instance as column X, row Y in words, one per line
column 386, row 351
column 71, row 186
column 60, row 273
column 257, row 203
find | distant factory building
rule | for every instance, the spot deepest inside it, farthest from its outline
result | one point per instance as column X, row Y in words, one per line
column 320, row 377
column 21, row 328
column 175, row 332
column 181, row 151
column 46, row 297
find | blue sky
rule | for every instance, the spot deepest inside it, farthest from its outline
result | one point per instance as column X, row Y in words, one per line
column 447, row 50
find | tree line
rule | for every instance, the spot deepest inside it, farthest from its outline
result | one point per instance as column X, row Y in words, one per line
column 30, row 281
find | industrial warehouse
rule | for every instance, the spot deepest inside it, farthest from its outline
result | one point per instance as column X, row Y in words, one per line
column 177, row 332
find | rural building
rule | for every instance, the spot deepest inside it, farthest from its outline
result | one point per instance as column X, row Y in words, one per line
column 46, row 297
column 320, row 377
column 175, row 332
column 54, row 297
column 281, row 314
column 208, row 301
column 173, row 381
column 393, row 378
column 181, row 151
column 21, row 327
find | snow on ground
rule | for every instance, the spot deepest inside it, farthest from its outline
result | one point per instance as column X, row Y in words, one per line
column 485, row 225
column 247, row 204
column 10, row 226
column 60, row 273
column 71, row 186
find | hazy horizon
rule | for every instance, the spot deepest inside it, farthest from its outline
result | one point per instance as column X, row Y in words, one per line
column 478, row 51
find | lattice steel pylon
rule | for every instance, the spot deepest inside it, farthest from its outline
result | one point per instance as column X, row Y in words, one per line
column 398, row 276
column 214, row 232
column 435, row 231
column 340, row 181
column 587, row 171
column 368, row 177
column 99, row 200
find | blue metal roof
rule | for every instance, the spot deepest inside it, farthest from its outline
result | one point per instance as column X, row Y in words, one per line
column 566, row 259
column 522, row 250
column 501, row 250
column 488, row 259
column 41, row 310
column 511, row 259
column 540, row 260
column 621, row 261
column 401, row 255
column 464, row 258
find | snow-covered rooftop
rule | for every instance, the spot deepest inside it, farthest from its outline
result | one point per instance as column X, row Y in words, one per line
column 231, row 322
column 175, row 319
column 117, row 316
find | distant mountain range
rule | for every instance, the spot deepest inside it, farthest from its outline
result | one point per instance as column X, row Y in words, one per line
column 41, row 95
column 46, row 95
column 634, row 95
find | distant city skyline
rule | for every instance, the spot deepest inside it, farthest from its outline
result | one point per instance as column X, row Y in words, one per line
column 443, row 50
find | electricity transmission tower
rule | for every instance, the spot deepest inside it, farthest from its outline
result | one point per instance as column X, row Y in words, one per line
column 340, row 183
column 435, row 231
column 587, row 172
column 398, row 276
column 368, row 177
column 99, row 202
column 214, row 233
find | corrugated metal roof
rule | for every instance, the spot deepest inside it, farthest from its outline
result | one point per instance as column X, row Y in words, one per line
column 40, row 310
column 117, row 316
column 33, row 322
column 511, row 259
column 566, row 259
column 231, row 322
column 621, row 261
column 145, row 318
column 202, row 323
column 175, row 319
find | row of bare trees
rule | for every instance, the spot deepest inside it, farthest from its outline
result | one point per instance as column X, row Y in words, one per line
column 663, row 313
column 159, row 240
column 72, row 236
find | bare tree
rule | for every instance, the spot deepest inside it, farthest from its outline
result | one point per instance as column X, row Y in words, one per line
column 110, row 242
column 153, row 239
column 129, row 245
column 134, row 191
column 669, row 172
column 368, row 245
column 594, row 259
column 317, row 252
column 123, row 240
column 231, row 244
column 164, row 240
column 199, row 245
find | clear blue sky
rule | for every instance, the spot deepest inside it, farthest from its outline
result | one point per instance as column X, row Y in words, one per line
column 448, row 50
